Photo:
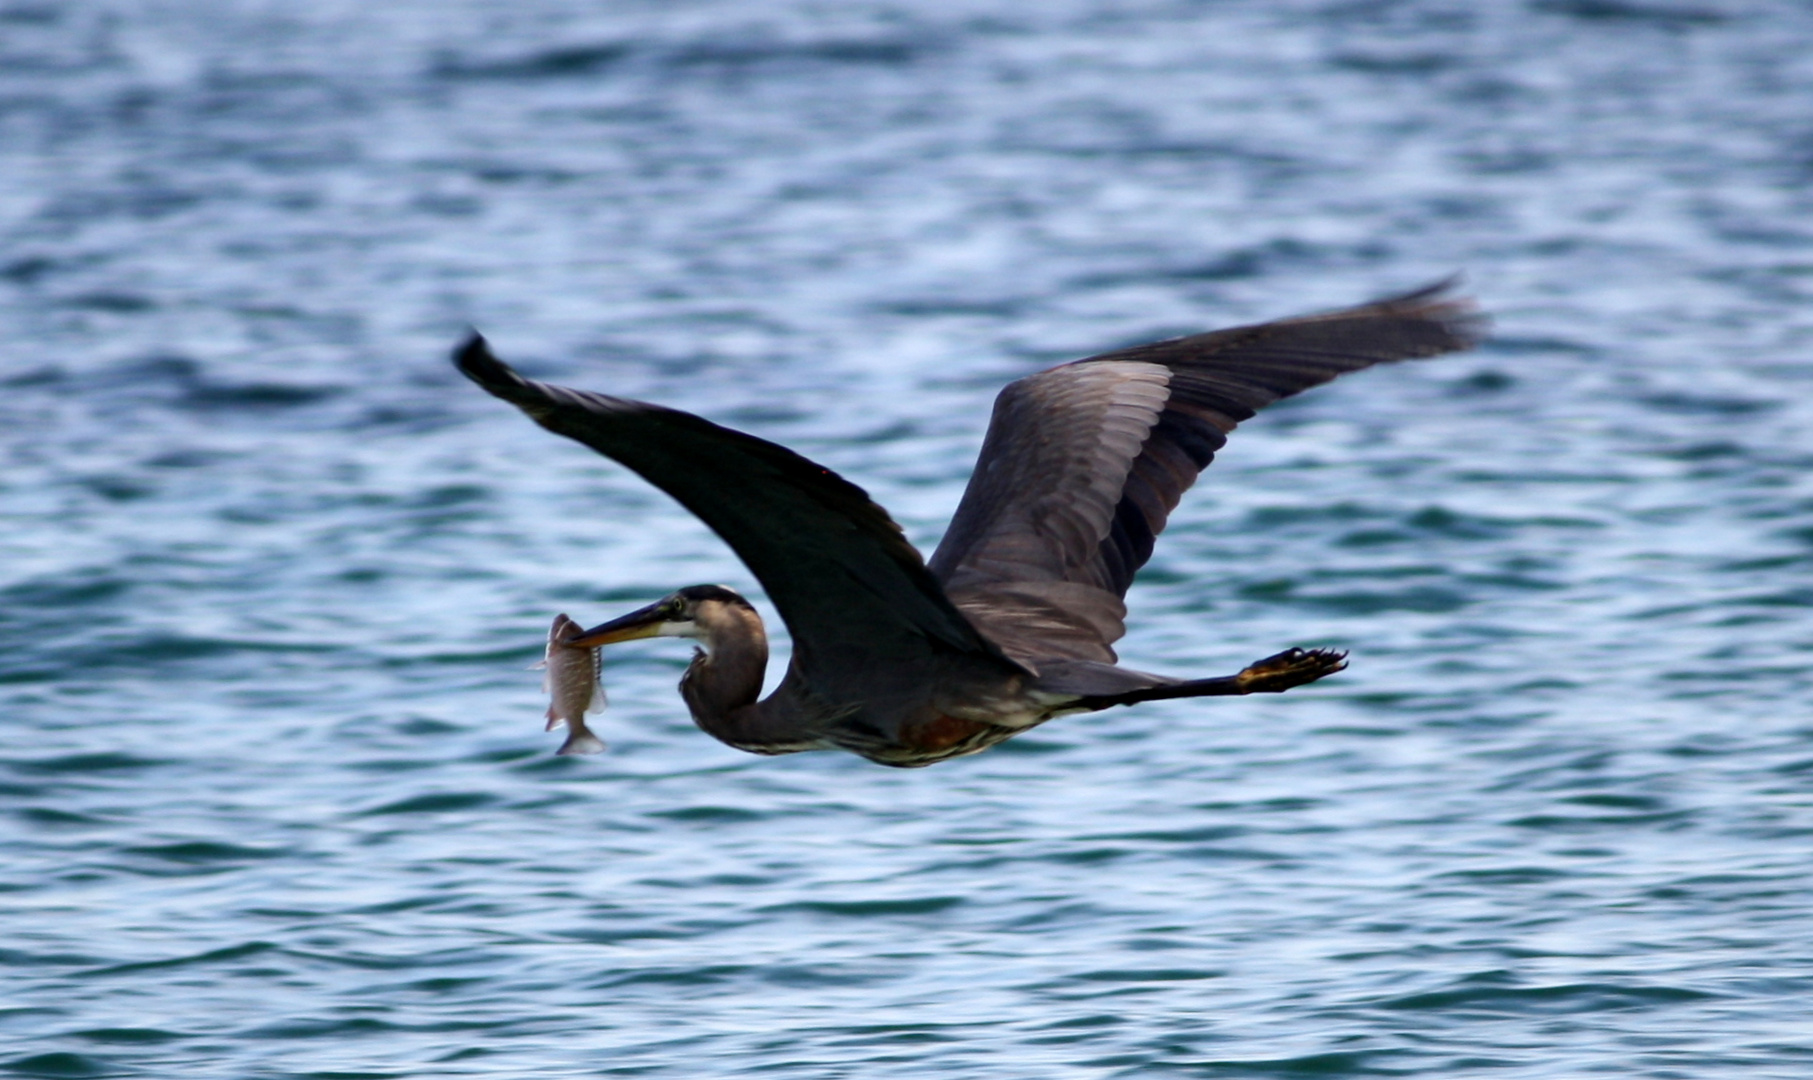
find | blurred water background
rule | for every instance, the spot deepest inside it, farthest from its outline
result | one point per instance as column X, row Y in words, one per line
column 276, row 799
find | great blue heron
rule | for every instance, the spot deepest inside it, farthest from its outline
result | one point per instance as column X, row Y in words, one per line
column 1013, row 620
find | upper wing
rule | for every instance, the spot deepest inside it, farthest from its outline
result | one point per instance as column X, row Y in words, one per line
column 1084, row 462
column 835, row 564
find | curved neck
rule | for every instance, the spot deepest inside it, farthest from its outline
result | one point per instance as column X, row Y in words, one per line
column 725, row 678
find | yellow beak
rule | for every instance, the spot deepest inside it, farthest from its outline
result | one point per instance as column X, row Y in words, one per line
column 641, row 623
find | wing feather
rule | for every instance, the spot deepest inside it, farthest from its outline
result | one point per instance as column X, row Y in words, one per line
column 1083, row 463
column 837, row 567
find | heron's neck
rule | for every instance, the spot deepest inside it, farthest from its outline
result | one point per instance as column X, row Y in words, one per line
column 726, row 677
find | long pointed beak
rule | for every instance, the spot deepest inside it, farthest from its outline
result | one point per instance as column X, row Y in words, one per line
column 641, row 623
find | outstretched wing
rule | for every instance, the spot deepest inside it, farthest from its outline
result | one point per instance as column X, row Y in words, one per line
column 1084, row 462
column 835, row 564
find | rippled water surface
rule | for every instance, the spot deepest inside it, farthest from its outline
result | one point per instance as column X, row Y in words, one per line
column 276, row 802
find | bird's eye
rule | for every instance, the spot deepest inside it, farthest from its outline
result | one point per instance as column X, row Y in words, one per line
column 677, row 608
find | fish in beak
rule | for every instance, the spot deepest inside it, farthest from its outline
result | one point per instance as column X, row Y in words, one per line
column 573, row 682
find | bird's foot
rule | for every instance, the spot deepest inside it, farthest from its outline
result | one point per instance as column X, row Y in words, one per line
column 1292, row 667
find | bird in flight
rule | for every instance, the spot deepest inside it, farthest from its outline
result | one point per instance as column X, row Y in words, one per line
column 1013, row 620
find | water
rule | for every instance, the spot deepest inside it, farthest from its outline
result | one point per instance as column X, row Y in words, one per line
column 277, row 801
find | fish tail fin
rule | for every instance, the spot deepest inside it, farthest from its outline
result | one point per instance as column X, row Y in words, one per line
column 581, row 741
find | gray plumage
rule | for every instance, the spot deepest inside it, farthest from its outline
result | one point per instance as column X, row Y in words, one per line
column 1013, row 620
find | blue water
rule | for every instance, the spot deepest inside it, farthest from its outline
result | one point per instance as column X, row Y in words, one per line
column 276, row 798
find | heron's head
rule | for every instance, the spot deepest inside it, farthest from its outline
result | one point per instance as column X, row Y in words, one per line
column 694, row 612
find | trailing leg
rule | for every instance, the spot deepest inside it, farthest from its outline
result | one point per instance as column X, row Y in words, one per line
column 1273, row 675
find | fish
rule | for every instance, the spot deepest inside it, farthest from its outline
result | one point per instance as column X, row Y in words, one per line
column 573, row 682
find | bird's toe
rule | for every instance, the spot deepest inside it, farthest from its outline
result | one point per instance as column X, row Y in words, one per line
column 1292, row 667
